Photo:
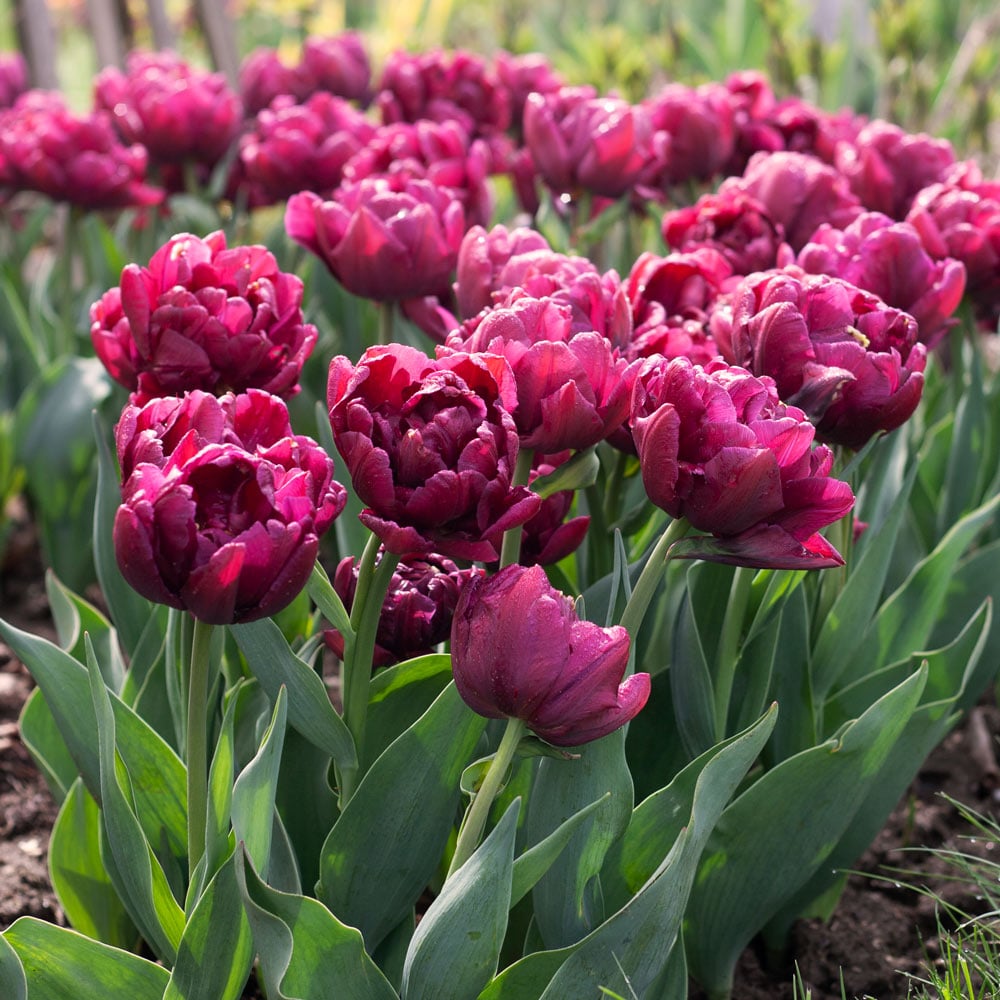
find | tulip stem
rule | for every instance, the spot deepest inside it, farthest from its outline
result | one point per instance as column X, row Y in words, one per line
column 475, row 819
column 197, row 742
column 727, row 654
column 649, row 578
column 369, row 595
column 386, row 322
column 510, row 550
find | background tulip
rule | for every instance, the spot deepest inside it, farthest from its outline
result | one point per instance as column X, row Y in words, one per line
column 519, row 651
column 222, row 506
column 203, row 316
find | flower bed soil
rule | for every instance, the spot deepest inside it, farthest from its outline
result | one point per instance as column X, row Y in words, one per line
column 880, row 931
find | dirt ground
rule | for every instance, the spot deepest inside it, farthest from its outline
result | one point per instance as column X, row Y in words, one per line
column 881, row 930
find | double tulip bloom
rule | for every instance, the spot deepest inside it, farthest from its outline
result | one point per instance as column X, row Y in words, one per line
column 222, row 506
column 519, row 651
column 851, row 362
column 431, row 449
column 203, row 316
column 385, row 238
column 717, row 446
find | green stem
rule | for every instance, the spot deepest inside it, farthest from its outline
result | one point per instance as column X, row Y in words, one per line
column 197, row 742
column 649, row 578
column 475, row 819
column 727, row 653
column 386, row 322
column 510, row 550
column 369, row 595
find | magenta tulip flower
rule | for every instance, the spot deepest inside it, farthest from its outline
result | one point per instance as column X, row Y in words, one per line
column 222, row 506
column 13, row 77
column 889, row 259
column 431, row 448
column 177, row 112
column 717, row 446
column 519, row 651
column 204, row 316
column 851, row 362
column 384, row 238
column 77, row 159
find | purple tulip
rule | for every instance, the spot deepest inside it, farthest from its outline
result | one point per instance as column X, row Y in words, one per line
column 572, row 386
column 519, row 651
column 222, row 507
column 203, row 316
column 887, row 166
column 798, row 193
column 431, row 449
column 521, row 75
column 718, row 447
column 13, row 77
column 888, row 258
column 851, row 362
column 671, row 299
column 263, row 77
column 735, row 224
column 384, row 238
column 418, row 607
column 583, row 143
column 336, row 64
column 301, row 147
column 77, row 159
column 180, row 114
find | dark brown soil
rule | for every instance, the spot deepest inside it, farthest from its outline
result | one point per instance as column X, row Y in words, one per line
column 881, row 930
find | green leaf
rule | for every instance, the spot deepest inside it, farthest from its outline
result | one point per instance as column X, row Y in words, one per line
column 157, row 773
column 759, row 855
column 220, row 794
column 81, row 884
column 456, row 946
column 309, row 709
column 41, row 736
column 13, row 985
column 578, row 473
column 129, row 611
column 328, row 601
column 253, row 794
column 138, row 876
column 216, row 951
column 399, row 695
column 690, row 676
column 843, row 630
column 412, row 787
column 904, row 622
column 306, row 953
column 60, row 963
column 635, row 947
column 567, row 899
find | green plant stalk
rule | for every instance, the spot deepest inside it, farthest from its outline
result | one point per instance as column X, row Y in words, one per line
column 727, row 653
column 197, row 742
column 475, row 819
column 386, row 322
column 649, row 578
column 510, row 549
column 369, row 595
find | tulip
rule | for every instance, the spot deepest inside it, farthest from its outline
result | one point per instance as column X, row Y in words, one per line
column 431, row 448
column 418, row 607
column 583, row 143
column 798, row 193
column 337, row 64
column 383, row 238
column 13, row 77
column 851, row 362
column 222, row 507
column 263, row 77
column 733, row 223
column 716, row 446
column 301, row 147
column 886, row 166
column 548, row 536
column 178, row 113
column 203, row 316
column 572, row 386
column 521, row 75
column 888, row 258
column 671, row 299
column 519, row 651
column 77, row 159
